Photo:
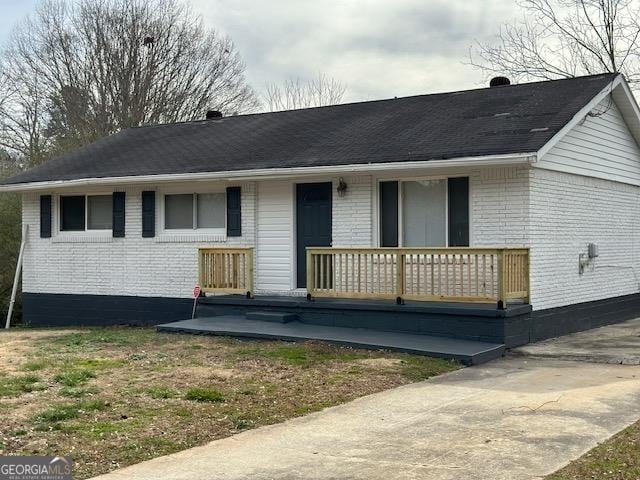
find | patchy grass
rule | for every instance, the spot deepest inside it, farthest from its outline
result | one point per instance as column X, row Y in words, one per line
column 16, row 386
column 77, row 392
column 300, row 354
column 90, row 364
column 34, row 365
column 59, row 413
column 73, row 378
column 55, row 414
column 119, row 396
column 204, row 395
column 162, row 392
column 616, row 459
column 417, row 369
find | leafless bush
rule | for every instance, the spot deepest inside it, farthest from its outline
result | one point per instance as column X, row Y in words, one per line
column 296, row 93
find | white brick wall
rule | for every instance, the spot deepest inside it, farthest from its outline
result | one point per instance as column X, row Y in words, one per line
column 557, row 214
column 119, row 266
column 499, row 207
column 567, row 213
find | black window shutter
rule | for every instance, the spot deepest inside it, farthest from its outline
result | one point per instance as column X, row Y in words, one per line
column 459, row 212
column 45, row 216
column 388, row 214
column 234, row 212
column 148, row 214
column 118, row 214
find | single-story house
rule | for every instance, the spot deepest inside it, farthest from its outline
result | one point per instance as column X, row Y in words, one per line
column 518, row 200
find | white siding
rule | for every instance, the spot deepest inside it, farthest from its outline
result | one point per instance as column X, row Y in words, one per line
column 120, row 266
column 601, row 146
column 275, row 255
column 567, row 213
column 353, row 214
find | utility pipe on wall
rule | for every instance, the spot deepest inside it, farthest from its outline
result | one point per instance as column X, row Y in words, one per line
column 14, row 291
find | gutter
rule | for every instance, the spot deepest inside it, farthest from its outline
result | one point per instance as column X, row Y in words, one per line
column 280, row 173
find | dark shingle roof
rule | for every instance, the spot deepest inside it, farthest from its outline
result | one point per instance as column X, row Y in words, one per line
column 489, row 121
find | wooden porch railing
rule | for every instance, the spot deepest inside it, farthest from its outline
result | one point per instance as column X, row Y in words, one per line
column 226, row 270
column 484, row 275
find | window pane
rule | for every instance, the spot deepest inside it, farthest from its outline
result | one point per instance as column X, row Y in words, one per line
column 178, row 211
column 99, row 212
column 423, row 213
column 72, row 213
column 211, row 210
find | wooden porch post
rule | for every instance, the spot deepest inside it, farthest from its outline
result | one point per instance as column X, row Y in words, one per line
column 249, row 271
column 310, row 273
column 400, row 274
column 502, row 278
column 201, row 279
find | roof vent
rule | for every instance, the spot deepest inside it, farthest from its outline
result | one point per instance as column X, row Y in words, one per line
column 213, row 114
column 499, row 82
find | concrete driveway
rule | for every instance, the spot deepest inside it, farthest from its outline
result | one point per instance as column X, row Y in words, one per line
column 618, row 344
column 520, row 417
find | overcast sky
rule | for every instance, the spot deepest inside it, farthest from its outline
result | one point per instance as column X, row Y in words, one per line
column 377, row 48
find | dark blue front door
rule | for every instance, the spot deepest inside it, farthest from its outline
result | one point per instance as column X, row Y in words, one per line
column 313, row 222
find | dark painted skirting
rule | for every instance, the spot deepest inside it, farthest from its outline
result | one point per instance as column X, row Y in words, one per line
column 555, row 322
column 515, row 326
column 47, row 309
column 512, row 327
column 476, row 322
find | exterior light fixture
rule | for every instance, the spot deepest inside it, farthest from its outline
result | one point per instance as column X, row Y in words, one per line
column 342, row 187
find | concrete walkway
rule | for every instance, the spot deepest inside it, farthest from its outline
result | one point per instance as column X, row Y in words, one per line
column 516, row 418
column 612, row 344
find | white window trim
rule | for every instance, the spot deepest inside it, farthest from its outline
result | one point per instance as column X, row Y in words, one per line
column 79, row 236
column 376, row 204
column 172, row 235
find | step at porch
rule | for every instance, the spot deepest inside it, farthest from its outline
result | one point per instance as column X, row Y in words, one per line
column 465, row 351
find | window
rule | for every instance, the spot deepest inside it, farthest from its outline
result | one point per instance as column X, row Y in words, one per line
column 72, row 214
column 178, row 211
column 79, row 213
column 99, row 212
column 424, row 210
column 424, row 213
column 195, row 211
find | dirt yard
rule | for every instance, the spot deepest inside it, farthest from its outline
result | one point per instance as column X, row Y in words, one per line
column 113, row 397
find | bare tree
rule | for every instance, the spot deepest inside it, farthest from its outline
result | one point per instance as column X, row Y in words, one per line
column 81, row 69
column 296, row 93
column 566, row 38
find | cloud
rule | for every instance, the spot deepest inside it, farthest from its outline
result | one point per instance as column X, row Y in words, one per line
column 378, row 48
